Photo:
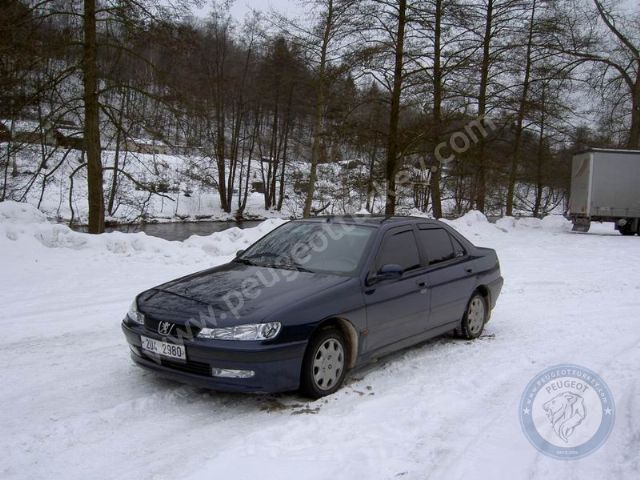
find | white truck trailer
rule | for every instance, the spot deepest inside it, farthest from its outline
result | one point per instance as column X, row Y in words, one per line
column 605, row 187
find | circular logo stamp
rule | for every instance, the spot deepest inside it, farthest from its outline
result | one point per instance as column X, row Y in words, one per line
column 567, row 412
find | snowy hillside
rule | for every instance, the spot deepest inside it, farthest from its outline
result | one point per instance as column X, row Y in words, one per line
column 75, row 406
column 184, row 190
column 179, row 180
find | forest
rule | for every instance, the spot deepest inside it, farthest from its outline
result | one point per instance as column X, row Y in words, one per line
column 393, row 106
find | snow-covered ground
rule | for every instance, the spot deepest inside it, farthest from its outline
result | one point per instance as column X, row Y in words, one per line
column 75, row 407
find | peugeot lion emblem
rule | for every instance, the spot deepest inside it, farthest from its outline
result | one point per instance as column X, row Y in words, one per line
column 164, row 328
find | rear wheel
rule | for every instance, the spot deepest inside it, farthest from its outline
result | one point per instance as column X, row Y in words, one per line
column 324, row 365
column 474, row 318
column 627, row 229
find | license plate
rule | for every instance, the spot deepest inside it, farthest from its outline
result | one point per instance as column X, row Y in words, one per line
column 164, row 349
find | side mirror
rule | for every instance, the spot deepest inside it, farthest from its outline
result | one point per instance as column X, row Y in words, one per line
column 239, row 252
column 390, row 271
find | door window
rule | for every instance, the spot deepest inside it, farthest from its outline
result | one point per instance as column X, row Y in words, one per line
column 400, row 249
column 437, row 244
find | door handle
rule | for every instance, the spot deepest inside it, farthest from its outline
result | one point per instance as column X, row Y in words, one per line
column 468, row 270
column 421, row 283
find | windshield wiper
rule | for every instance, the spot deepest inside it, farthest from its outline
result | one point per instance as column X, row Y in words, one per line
column 245, row 261
column 283, row 264
column 263, row 255
column 286, row 266
column 299, row 267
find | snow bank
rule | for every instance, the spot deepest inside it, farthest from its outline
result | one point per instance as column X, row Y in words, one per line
column 474, row 225
column 14, row 212
column 22, row 223
column 550, row 223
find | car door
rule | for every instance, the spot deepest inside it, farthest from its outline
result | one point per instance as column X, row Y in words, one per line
column 451, row 279
column 396, row 309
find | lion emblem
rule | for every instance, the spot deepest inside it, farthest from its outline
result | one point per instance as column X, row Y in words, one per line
column 565, row 412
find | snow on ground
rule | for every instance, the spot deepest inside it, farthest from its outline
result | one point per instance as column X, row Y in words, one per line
column 75, row 407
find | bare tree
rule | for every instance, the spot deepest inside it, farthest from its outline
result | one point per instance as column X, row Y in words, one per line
column 324, row 44
column 522, row 109
column 606, row 36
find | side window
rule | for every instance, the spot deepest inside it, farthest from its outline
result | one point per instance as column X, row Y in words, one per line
column 437, row 243
column 458, row 249
column 400, row 249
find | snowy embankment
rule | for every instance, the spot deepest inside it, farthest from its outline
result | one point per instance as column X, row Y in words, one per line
column 185, row 198
column 75, row 407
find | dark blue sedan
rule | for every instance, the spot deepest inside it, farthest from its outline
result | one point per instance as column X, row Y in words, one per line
column 313, row 299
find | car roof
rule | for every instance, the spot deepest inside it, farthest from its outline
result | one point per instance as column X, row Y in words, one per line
column 370, row 220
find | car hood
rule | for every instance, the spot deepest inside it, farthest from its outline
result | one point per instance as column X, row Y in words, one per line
column 232, row 294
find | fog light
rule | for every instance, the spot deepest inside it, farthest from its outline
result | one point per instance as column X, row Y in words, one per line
column 135, row 350
column 229, row 373
column 622, row 222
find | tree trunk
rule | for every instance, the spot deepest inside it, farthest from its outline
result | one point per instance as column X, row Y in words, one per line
column 256, row 129
column 318, row 130
column 436, row 174
column 370, row 189
column 116, row 158
column 220, row 161
column 92, row 120
column 634, row 133
column 515, row 158
column 540, row 160
column 394, row 116
column 269, row 185
column 481, row 182
column 287, row 128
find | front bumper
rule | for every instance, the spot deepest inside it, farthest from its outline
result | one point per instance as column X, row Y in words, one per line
column 277, row 367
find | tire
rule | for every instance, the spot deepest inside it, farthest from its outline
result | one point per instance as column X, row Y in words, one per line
column 626, row 230
column 475, row 317
column 325, row 364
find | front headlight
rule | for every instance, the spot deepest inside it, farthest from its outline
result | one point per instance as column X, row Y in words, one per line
column 134, row 315
column 254, row 331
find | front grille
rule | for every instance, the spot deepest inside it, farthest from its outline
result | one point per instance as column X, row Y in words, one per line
column 189, row 366
column 187, row 332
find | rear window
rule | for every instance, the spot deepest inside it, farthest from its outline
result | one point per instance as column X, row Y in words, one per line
column 437, row 244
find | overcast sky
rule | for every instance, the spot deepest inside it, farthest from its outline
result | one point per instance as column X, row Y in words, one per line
column 294, row 8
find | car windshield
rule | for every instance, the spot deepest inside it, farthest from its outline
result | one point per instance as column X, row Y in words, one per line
column 311, row 246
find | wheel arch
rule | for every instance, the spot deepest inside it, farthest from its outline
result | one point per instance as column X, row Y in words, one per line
column 350, row 335
column 485, row 292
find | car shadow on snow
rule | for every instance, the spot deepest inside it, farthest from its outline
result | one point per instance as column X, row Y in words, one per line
column 360, row 382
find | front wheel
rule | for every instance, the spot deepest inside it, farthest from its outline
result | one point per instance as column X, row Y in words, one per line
column 474, row 318
column 324, row 365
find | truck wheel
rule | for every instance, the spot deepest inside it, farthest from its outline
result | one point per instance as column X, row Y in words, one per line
column 627, row 230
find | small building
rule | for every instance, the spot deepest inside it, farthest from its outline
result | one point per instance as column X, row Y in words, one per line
column 27, row 131
column 69, row 136
column 146, row 145
column 5, row 134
